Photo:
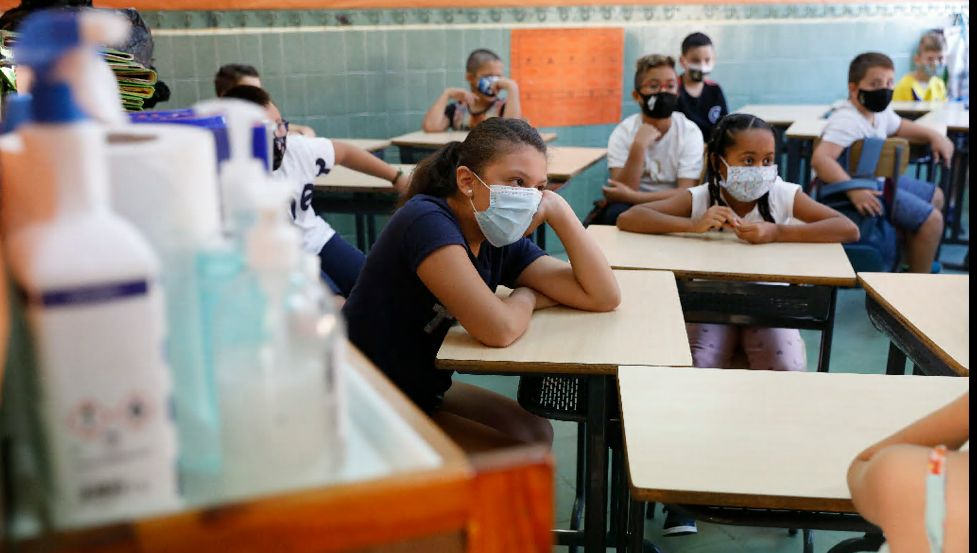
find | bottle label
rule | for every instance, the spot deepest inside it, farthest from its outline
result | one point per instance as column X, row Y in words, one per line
column 82, row 295
column 105, row 400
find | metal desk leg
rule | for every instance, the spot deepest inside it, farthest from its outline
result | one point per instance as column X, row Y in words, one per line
column 896, row 364
column 794, row 161
column 824, row 356
column 595, row 515
column 371, row 230
column 360, row 232
column 779, row 144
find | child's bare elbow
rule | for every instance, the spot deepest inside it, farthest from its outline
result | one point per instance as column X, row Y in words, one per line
column 628, row 220
column 852, row 233
column 500, row 335
column 608, row 301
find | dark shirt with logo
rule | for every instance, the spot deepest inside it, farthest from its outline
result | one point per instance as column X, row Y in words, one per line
column 706, row 110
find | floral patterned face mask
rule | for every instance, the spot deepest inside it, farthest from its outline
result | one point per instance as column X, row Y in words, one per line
column 748, row 184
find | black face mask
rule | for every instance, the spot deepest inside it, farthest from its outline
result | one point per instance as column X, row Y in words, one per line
column 875, row 100
column 658, row 106
column 278, row 152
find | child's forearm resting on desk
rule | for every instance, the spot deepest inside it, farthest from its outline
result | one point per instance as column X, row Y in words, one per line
column 645, row 218
column 362, row 161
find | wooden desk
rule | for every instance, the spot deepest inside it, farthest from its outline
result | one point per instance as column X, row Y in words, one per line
column 433, row 140
column 722, row 256
column 927, row 318
column 780, row 115
column 912, row 110
column 566, row 162
column 647, row 325
column 344, row 190
column 763, row 439
column 373, row 145
column 729, row 276
column 439, row 503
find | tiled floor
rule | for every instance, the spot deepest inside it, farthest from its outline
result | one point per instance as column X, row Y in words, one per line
column 858, row 347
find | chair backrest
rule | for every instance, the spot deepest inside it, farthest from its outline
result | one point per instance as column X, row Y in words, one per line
column 894, row 147
column 893, row 160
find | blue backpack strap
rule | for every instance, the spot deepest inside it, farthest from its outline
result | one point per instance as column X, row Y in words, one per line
column 845, row 186
column 863, row 177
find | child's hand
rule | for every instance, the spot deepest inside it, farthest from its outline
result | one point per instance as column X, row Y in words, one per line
column 942, row 150
column 646, row 135
column 757, row 233
column 866, row 201
column 460, row 95
column 716, row 217
column 618, row 192
column 552, row 205
column 505, row 84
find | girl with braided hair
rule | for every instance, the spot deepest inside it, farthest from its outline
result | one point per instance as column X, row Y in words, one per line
column 743, row 194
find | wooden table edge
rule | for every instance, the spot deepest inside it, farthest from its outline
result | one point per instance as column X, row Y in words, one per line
column 954, row 365
column 471, row 366
column 746, row 501
column 748, row 277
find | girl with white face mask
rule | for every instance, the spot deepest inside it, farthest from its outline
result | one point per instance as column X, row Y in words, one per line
column 744, row 195
column 461, row 233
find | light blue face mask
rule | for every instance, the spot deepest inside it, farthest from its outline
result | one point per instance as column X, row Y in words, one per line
column 509, row 214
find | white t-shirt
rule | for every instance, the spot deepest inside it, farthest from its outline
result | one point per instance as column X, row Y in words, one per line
column 676, row 155
column 781, row 201
column 846, row 125
column 305, row 159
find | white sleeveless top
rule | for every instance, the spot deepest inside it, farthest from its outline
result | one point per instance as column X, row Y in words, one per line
column 781, row 203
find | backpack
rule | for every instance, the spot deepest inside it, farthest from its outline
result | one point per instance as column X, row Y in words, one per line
column 877, row 248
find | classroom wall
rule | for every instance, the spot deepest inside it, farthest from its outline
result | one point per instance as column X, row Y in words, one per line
column 373, row 73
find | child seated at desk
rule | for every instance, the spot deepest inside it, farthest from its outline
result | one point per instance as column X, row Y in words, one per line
column 915, row 484
column 440, row 258
column 233, row 74
column 925, row 84
column 744, row 195
column 700, row 99
column 459, row 109
column 298, row 160
column 653, row 154
column 867, row 114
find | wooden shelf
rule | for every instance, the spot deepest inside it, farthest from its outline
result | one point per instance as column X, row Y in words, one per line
column 430, row 497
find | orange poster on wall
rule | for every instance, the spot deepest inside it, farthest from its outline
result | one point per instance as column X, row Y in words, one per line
column 569, row 76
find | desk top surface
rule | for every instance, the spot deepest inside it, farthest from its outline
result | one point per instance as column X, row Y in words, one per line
column 784, row 114
column 953, row 116
column 915, row 108
column 762, row 439
column 344, row 179
column 648, row 325
column 368, row 144
column 809, row 129
column 566, row 162
column 935, row 308
column 421, row 139
column 722, row 256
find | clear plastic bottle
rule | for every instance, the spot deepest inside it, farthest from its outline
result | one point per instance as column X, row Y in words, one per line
column 272, row 365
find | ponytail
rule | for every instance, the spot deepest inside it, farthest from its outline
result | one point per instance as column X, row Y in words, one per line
column 435, row 175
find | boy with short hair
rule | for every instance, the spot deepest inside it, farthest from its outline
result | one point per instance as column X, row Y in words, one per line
column 297, row 161
column 657, row 152
column 867, row 114
column 700, row 99
column 459, row 109
column 233, row 74
column 926, row 83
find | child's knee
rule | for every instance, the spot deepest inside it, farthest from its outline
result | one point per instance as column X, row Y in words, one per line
column 932, row 225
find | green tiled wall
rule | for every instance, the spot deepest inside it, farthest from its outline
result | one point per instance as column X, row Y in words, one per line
column 374, row 73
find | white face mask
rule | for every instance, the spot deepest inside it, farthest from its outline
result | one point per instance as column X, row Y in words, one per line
column 748, row 184
column 509, row 214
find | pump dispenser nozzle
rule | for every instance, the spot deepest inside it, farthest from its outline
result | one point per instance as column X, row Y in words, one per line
column 241, row 175
column 70, row 79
